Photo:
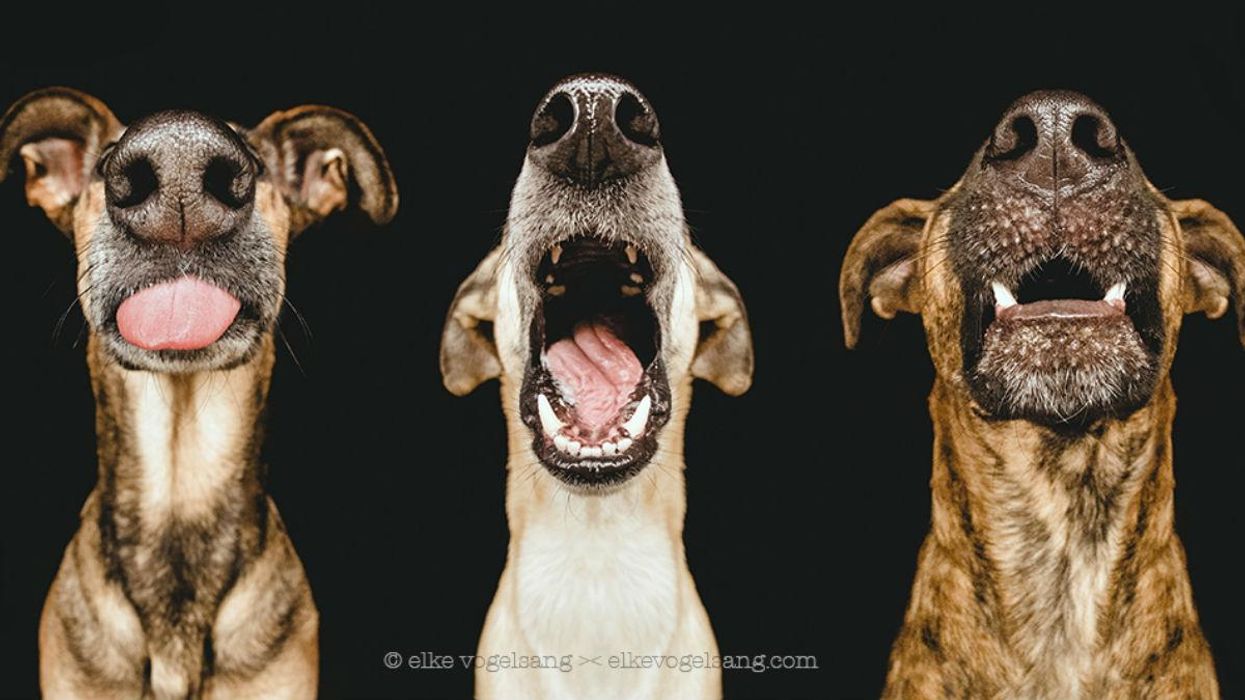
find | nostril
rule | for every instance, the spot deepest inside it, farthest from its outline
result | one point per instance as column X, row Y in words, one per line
column 228, row 182
column 1095, row 136
column 1013, row 140
column 636, row 121
column 553, row 121
column 132, row 184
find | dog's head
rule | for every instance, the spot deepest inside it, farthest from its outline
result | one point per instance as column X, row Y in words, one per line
column 180, row 221
column 1053, row 276
column 596, row 310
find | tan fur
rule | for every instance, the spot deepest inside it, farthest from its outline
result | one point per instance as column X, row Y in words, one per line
column 1051, row 569
column 182, row 581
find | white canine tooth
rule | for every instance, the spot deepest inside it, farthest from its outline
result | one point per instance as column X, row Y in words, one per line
column 635, row 424
column 1002, row 295
column 590, row 452
column 623, row 444
column 556, row 253
column 1116, row 292
column 632, row 254
column 572, row 447
column 608, row 448
column 548, row 419
column 560, row 441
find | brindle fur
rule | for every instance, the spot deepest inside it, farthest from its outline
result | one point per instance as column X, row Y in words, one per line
column 1051, row 569
column 181, row 581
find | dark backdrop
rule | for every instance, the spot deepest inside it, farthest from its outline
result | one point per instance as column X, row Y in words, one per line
column 808, row 497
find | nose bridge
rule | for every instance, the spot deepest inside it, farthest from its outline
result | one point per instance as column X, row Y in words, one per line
column 179, row 177
column 1054, row 140
column 594, row 127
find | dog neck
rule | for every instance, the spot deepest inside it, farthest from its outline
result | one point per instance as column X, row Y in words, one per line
column 1052, row 528
column 181, row 502
column 593, row 555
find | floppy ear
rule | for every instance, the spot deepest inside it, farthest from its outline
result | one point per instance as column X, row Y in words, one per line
column 880, row 265
column 1214, row 254
column 724, row 353
column 324, row 159
column 59, row 133
column 468, row 351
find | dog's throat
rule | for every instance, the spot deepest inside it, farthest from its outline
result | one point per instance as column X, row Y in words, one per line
column 596, row 371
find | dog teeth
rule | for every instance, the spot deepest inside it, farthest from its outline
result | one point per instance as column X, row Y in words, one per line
column 1115, row 295
column 637, row 278
column 1003, row 298
column 635, row 424
column 590, row 452
column 561, row 442
column 548, row 419
column 629, row 291
column 632, row 254
column 609, row 448
column 572, row 448
column 556, row 290
column 556, row 253
column 623, row 444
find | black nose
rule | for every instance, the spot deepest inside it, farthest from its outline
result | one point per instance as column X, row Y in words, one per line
column 593, row 128
column 1055, row 139
column 179, row 178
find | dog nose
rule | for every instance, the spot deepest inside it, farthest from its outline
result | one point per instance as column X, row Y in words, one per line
column 1054, row 139
column 179, row 178
column 594, row 128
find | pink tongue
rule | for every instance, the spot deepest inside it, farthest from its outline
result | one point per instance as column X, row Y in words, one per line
column 597, row 370
column 185, row 314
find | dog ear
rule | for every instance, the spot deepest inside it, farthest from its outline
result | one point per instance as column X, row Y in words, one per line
column 468, row 350
column 880, row 265
column 59, row 133
column 724, row 352
column 1214, row 252
column 324, row 159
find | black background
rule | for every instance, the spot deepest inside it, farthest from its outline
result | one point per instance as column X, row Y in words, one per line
column 807, row 497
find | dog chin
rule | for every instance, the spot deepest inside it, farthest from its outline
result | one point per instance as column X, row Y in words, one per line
column 236, row 347
column 1062, row 372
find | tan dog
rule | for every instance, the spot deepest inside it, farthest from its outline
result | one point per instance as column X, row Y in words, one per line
column 182, row 581
column 596, row 312
column 1051, row 280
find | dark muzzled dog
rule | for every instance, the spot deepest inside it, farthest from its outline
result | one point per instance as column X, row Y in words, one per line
column 181, row 581
column 1051, row 281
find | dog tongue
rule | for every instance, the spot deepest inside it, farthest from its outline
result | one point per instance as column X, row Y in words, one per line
column 597, row 370
column 184, row 314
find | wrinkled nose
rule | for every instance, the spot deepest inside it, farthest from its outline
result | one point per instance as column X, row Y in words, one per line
column 1054, row 139
column 594, row 128
column 179, row 178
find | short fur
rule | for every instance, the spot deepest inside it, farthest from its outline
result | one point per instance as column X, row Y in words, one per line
column 1051, row 569
column 182, row 581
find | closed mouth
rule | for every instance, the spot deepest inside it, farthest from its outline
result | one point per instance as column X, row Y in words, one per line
column 595, row 393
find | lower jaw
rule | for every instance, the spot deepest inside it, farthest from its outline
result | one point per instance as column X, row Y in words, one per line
column 236, row 347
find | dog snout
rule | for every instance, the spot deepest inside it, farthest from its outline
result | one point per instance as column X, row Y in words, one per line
column 179, row 178
column 595, row 128
column 1054, row 140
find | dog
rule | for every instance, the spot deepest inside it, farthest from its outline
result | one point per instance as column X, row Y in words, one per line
column 182, row 581
column 1051, row 281
column 596, row 312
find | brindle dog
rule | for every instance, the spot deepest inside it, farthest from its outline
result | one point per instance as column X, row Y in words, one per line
column 181, row 581
column 1051, row 281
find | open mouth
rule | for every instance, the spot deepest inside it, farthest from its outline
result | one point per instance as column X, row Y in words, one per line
column 595, row 393
column 1064, row 344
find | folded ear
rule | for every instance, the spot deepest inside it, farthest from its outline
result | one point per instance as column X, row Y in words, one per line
column 468, row 351
column 59, row 133
column 880, row 265
column 724, row 352
column 324, row 159
column 1214, row 254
